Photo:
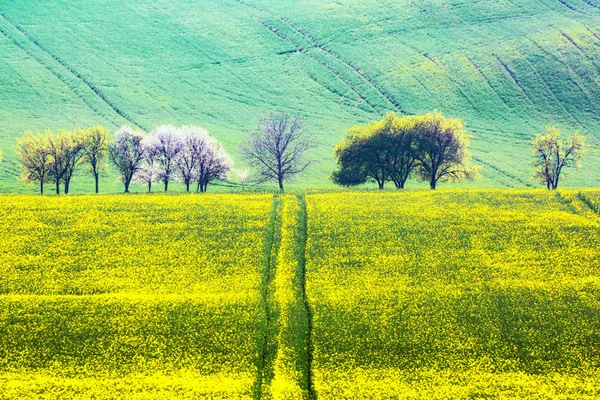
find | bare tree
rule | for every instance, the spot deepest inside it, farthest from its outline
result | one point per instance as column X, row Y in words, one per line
column 34, row 154
column 127, row 153
column 168, row 145
column 277, row 148
column 551, row 155
column 95, row 150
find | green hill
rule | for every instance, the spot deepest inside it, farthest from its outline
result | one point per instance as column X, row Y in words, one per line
column 507, row 67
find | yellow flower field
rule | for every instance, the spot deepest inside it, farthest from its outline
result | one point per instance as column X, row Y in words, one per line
column 358, row 295
column 140, row 297
column 454, row 295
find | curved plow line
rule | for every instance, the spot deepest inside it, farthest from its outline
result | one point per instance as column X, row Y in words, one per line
column 75, row 73
column 300, row 50
column 337, row 56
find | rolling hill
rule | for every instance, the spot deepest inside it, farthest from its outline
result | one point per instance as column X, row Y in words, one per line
column 507, row 67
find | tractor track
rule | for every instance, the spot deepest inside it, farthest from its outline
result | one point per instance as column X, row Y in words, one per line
column 93, row 88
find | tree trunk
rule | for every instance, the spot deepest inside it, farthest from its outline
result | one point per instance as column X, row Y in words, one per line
column 42, row 186
column 166, row 185
column 187, row 186
column 127, row 185
column 198, row 188
column 58, row 186
column 280, row 184
column 67, row 182
column 381, row 185
column 433, row 184
column 149, row 186
column 97, row 178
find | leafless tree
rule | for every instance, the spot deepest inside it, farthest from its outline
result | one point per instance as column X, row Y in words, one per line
column 276, row 149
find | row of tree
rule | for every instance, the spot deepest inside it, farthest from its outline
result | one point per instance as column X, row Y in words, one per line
column 434, row 149
column 428, row 147
column 187, row 154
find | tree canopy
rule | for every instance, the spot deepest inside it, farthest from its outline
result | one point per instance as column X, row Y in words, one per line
column 552, row 155
column 429, row 147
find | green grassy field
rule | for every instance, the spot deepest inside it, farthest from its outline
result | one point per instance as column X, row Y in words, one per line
column 414, row 295
column 508, row 68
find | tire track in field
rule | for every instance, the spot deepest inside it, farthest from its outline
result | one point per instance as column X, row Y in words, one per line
column 365, row 78
column 589, row 3
column 303, row 51
column 570, row 7
column 91, row 87
column 264, row 355
column 312, row 394
column 547, row 85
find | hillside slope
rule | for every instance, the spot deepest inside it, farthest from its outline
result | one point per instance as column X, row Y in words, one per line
column 506, row 67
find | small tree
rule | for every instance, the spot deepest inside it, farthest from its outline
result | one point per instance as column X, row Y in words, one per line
column 359, row 160
column 242, row 176
column 95, row 151
column 168, row 145
column 34, row 153
column 74, row 155
column 442, row 153
column 58, row 147
column 214, row 164
column 551, row 155
column 127, row 153
column 277, row 148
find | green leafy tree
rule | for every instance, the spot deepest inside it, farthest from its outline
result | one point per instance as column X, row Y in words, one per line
column 34, row 154
column 552, row 155
column 443, row 150
column 381, row 151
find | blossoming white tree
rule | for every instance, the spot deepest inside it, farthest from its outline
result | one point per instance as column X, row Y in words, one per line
column 127, row 153
column 149, row 171
column 168, row 144
column 213, row 164
column 195, row 142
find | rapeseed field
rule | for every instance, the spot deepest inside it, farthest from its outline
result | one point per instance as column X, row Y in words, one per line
column 131, row 297
column 454, row 294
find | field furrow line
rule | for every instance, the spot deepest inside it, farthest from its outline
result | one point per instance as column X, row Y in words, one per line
column 93, row 88
column 57, row 74
column 570, row 7
column 332, row 70
column 549, row 89
column 319, row 45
